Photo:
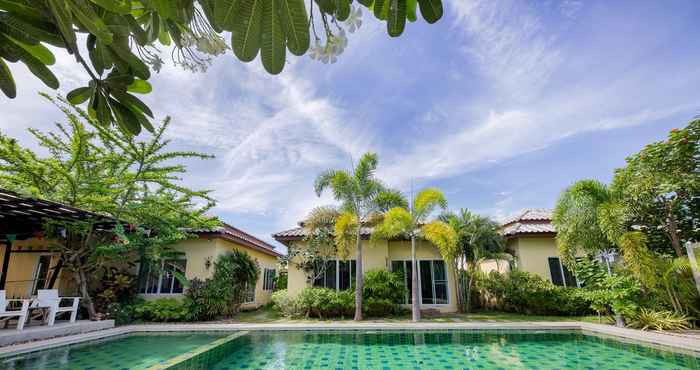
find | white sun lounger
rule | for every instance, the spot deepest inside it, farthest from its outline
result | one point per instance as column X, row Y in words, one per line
column 48, row 298
column 21, row 314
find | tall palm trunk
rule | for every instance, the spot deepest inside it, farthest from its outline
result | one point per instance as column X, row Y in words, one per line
column 415, row 304
column 359, row 278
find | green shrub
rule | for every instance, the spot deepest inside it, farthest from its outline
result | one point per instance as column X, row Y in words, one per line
column 281, row 281
column 207, row 300
column 162, row 310
column 383, row 293
column 224, row 293
column 287, row 305
column 526, row 293
column 659, row 320
column 124, row 313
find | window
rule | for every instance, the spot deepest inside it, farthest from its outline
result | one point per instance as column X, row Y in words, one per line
column 432, row 280
column 249, row 294
column 560, row 274
column 337, row 275
column 269, row 279
column 162, row 280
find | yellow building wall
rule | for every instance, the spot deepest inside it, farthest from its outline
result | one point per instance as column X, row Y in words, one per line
column 199, row 251
column 23, row 266
column 532, row 253
column 378, row 255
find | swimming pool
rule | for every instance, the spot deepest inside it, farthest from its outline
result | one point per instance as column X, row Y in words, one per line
column 132, row 351
column 357, row 349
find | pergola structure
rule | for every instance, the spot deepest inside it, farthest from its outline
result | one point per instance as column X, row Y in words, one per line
column 23, row 217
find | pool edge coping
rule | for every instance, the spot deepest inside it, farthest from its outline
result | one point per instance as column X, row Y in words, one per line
column 668, row 342
column 197, row 351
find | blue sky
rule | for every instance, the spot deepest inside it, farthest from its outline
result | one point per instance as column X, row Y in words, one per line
column 501, row 104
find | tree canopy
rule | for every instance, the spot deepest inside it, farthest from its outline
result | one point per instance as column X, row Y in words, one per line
column 102, row 169
column 116, row 41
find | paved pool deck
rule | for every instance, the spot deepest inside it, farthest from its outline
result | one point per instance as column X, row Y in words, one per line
column 688, row 344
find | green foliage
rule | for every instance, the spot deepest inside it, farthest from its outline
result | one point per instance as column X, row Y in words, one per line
column 325, row 303
column 207, row 300
column 660, row 187
column 478, row 239
column 638, row 259
column 123, row 36
column 383, row 293
column 236, row 271
column 224, row 293
column 617, row 294
column 362, row 198
column 576, row 220
column 647, row 319
column 281, row 280
column 287, row 305
column 162, row 310
column 123, row 313
column 101, row 169
column 526, row 293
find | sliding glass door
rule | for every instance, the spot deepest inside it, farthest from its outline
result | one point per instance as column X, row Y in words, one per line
column 432, row 280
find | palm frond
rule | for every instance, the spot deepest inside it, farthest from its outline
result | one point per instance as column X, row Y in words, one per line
column 321, row 217
column 397, row 221
column 365, row 168
column 390, row 198
column 345, row 233
column 427, row 201
column 442, row 236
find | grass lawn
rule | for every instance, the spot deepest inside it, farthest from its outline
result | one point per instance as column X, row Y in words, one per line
column 268, row 314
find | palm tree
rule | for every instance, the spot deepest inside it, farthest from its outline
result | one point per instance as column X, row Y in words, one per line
column 412, row 222
column 477, row 240
column 362, row 197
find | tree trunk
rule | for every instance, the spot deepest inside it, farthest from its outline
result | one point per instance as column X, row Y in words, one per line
column 619, row 320
column 468, row 298
column 693, row 263
column 673, row 232
column 359, row 278
column 415, row 304
column 83, row 285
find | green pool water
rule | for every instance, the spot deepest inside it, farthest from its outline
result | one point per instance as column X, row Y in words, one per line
column 400, row 350
column 439, row 350
column 135, row 351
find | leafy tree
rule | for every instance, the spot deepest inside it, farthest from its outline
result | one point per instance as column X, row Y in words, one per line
column 660, row 188
column 320, row 247
column 412, row 222
column 236, row 272
column 122, row 37
column 477, row 240
column 362, row 199
column 102, row 169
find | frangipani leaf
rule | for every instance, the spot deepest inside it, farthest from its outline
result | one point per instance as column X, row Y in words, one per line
column 115, row 6
column 295, row 21
column 273, row 48
column 224, row 14
column 79, row 95
column 431, row 10
column 64, row 21
column 411, row 6
column 396, row 21
column 38, row 51
column 140, row 87
column 7, row 83
column 245, row 38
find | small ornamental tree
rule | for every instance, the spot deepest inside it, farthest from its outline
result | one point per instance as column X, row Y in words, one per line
column 101, row 169
column 362, row 198
column 412, row 222
column 119, row 50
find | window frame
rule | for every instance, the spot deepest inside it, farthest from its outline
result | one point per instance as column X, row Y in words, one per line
column 147, row 276
column 407, row 264
column 250, row 292
column 269, row 279
column 562, row 271
column 352, row 269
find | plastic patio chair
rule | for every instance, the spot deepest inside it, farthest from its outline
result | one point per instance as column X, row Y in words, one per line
column 48, row 298
column 21, row 314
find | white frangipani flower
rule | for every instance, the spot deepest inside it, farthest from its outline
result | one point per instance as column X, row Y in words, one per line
column 354, row 21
